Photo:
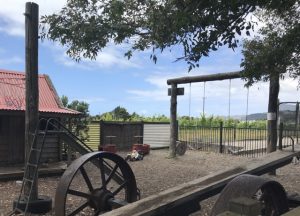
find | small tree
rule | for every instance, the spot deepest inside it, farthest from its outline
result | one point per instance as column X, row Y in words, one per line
column 274, row 55
column 120, row 113
column 78, row 125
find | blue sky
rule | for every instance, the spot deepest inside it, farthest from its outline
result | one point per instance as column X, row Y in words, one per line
column 137, row 84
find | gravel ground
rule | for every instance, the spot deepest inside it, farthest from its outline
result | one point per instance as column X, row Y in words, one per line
column 156, row 173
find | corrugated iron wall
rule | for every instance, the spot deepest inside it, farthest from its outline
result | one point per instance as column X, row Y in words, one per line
column 94, row 135
column 157, row 135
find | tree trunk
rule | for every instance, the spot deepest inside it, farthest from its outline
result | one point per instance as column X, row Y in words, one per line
column 272, row 114
column 173, row 117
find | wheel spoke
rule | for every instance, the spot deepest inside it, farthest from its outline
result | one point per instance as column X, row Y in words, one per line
column 118, row 177
column 86, row 178
column 78, row 193
column 120, row 188
column 101, row 166
column 83, row 206
column 111, row 174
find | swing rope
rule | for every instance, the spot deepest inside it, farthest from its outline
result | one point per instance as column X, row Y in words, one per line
column 203, row 103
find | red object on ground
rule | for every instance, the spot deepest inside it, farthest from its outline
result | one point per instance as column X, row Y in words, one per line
column 142, row 148
column 108, row 147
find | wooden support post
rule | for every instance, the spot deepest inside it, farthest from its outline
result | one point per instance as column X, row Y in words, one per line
column 32, row 91
column 173, row 118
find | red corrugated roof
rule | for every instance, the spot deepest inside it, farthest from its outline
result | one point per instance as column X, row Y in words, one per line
column 12, row 93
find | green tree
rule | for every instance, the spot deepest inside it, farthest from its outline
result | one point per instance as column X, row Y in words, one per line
column 274, row 55
column 106, row 116
column 78, row 125
column 198, row 26
column 117, row 114
column 135, row 117
column 120, row 113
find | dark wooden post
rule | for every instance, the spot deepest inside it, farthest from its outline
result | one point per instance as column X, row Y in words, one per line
column 32, row 90
column 173, row 118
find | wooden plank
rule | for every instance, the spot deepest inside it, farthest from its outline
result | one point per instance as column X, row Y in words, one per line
column 203, row 187
column 179, row 91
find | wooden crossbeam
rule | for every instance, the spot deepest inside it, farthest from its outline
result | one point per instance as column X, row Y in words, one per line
column 204, row 78
column 200, row 189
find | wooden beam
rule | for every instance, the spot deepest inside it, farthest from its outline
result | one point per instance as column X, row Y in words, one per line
column 204, row 78
column 202, row 188
column 32, row 89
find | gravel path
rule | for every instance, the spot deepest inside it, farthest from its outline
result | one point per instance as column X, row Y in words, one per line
column 156, row 173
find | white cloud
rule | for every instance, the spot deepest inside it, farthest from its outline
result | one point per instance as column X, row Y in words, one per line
column 112, row 56
column 11, row 14
column 146, row 95
column 109, row 57
column 11, row 60
column 289, row 91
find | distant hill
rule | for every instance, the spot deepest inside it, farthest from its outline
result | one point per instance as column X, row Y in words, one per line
column 287, row 107
column 251, row 117
column 287, row 113
column 257, row 116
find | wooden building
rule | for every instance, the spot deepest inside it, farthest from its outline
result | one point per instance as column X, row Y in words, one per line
column 12, row 116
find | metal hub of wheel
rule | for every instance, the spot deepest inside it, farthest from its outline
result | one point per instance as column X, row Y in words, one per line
column 99, row 199
column 94, row 184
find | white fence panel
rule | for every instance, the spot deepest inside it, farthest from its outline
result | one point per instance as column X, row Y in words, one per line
column 156, row 135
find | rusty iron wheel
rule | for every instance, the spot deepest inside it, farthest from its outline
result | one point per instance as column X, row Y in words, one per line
column 95, row 183
column 181, row 148
column 271, row 195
